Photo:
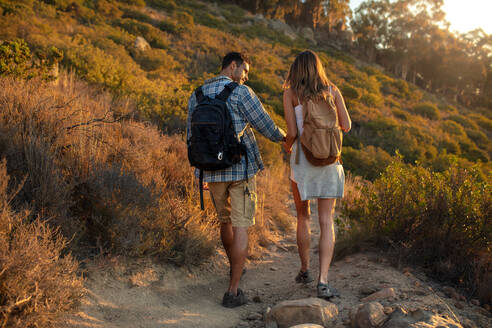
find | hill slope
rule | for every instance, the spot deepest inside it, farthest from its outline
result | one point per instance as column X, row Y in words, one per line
column 187, row 42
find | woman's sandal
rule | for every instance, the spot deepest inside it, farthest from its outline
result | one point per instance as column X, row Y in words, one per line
column 304, row 277
column 326, row 292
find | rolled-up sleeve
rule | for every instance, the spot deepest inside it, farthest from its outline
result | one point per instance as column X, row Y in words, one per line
column 257, row 116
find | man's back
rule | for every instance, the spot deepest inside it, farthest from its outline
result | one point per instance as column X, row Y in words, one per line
column 245, row 108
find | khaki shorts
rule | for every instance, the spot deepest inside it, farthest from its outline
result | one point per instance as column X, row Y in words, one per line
column 235, row 201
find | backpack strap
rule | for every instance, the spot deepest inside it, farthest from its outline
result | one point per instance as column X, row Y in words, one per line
column 199, row 94
column 228, row 88
column 201, row 190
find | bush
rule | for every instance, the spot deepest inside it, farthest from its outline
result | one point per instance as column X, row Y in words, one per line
column 483, row 122
column 478, row 137
column 463, row 121
column 452, row 127
column 427, row 110
column 204, row 18
column 137, row 15
column 168, row 5
column 396, row 87
column 368, row 162
column 37, row 282
column 447, row 108
column 372, row 100
column 470, row 151
column 138, row 3
column 440, row 220
column 350, row 92
column 450, row 145
column 399, row 114
column 155, row 37
column 154, row 59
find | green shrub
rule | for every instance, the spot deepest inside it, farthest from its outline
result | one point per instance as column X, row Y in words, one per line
column 350, row 92
column 372, row 100
column 233, row 13
column 478, row 137
column 368, row 162
column 155, row 37
column 137, row 15
column 95, row 66
column 447, row 108
column 153, row 59
column 450, row 145
column 441, row 220
column 185, row 20
column 168, row 5
column 471, row 152
column 362, row 81
column 207, row 19
column 464, row 121
column 427, row 110
column 400, row 114
column 138, row 3
column 402, row 87
column 452, row 127
column 170, row 27
column 264, row 83
column 389, row 135
column 108, row 9
column 16, row 59
column 484, row 122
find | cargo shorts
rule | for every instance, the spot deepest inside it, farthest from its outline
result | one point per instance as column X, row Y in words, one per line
column 235, row 201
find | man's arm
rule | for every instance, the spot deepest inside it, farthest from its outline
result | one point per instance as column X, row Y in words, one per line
column 257, row 116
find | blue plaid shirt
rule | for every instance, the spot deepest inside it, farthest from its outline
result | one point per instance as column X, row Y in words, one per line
column 245, row 107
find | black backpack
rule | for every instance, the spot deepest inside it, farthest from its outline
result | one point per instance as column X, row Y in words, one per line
column 214, row 145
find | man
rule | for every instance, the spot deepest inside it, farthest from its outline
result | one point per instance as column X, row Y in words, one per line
column 234, row 197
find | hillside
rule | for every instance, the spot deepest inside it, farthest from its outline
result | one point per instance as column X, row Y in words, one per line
column 93, row 158
column 186, row 43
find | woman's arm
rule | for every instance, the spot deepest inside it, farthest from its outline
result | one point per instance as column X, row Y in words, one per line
column 290, row 118
column 343, row 115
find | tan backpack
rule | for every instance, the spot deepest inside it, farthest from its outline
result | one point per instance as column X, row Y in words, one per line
column 321, row 139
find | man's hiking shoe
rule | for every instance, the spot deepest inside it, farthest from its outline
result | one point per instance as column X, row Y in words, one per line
column 326, row 292
column 304, row 277
column 231, row 301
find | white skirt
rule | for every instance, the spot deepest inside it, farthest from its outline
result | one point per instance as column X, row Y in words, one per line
column 316, row 181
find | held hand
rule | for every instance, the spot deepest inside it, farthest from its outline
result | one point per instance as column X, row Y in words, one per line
column 287, row 149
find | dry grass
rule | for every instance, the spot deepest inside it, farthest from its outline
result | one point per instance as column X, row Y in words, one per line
column 272, row 215
column 110, row 182
column 37, row 280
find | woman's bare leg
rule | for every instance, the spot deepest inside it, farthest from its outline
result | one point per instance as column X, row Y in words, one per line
column 303, row 232
column 326, row 209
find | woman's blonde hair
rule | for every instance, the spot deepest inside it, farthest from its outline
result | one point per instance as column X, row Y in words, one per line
column 307, row 78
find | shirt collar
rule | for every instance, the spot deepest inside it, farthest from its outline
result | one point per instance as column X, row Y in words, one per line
column 218, row 78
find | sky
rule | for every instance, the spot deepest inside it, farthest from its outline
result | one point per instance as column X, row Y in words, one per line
column 463, row 15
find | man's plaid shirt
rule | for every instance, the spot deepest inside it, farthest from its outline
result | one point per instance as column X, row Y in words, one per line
column 245, row 107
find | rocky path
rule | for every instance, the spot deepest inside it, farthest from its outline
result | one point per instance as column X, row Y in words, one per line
column 124, row 293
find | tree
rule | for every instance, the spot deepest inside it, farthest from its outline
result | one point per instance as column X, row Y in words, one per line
column 336, row 13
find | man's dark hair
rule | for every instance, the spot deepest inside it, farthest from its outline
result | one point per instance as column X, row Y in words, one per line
column 237, row 57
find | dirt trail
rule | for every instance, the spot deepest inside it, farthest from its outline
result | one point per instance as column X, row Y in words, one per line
column 141, row 294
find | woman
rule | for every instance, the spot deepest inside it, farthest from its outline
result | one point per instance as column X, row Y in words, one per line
column 307, row 81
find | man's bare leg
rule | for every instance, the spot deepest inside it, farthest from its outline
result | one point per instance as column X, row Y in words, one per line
column 239, row 252
column 227, row 236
